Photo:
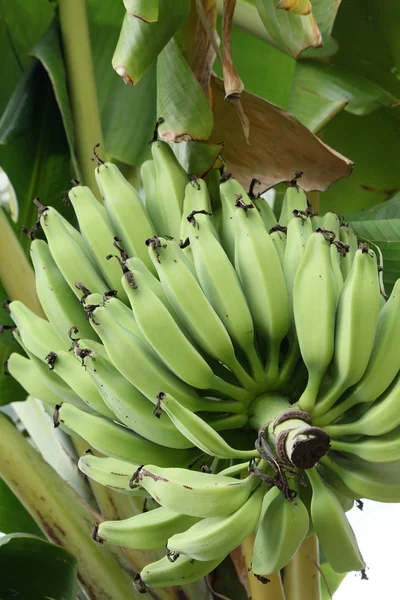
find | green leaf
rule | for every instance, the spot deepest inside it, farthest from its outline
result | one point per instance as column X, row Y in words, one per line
column 48, row 52
column 373, row 143
column 35, row 569
column 128, row 114
column 385, row 233
column 292, row 33
column 181, row 101
column 147, row 10
column 386, row 210
column 264, row 70
column 22, row 24
column 333, row 89
column 140, row 43
column 33, row 148
column 13, row 515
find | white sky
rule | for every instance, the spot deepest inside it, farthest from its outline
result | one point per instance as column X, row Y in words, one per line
column 377, row 528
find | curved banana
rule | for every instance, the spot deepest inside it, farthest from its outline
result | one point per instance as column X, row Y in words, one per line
column 346, row 259
column 116, row 440
column 381, row 448
column 198, row 431
column 196, row 494
column 381, row 417
column 125, row 211
column 37, row 334
column 130, row 406
column 334, row 532
column 51, row 379
column 278, row 236
column 60, row 304
column 356, row 321
column 28, row 376
column 165, row 337
column 111, row 472
column 294, row 199
column 373, row 480
column 182, row 571
column 384, row 362
column 68, row 255
column 260, row 272
column 281, row 530
column 171, row 184
column 222, row 288
column 266, row 212
column 196, row 199
column 314, row 304
column 145, row 531
column 149, row 376
column 195, row 311
column 149, row 179
column 68, row 368
column 228, row 192
column 212, row 537
column 98, row 234
column 337, row 273
column 331, row 222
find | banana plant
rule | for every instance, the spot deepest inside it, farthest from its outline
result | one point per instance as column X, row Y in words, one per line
column 135, row 102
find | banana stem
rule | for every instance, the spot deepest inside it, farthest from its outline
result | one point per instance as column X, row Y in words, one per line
column 301, row 578
column 16, row 273
column 82, row 85
column 258, row 590
column 62, row 515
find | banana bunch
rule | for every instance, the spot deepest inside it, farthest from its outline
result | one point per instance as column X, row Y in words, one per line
column 241, row 370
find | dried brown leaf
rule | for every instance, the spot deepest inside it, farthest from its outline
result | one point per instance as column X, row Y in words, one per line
column 280, row 145
column 206, row 44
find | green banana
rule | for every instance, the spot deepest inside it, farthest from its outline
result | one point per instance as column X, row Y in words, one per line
column 149, row 179
column 316, row 221
column 384, row 362
column 98, row 234
column 198, row 431
column 130, row 406
column 68, row 255
column 171, row 184
column 373, row 480
column 37, row 334
column 145, row 531
column 260, row 272
column 282, row 527
column 196, row 313
column 337, row 273
column 115, row 440
column 28, row 376
column 165, row 337
column 111, row 472
column 196, row 199
column 314, row 304
column 125, row 211
column 196, row 494
column 60, row 304
column 215, row 536
column 346, row 259
column 182, row 571
column 356, row 321
column 334, row 532
column 68, row 368
column 51, row 379
column 294, row 199
column 278, row 236
column 381, row 417
column 149, row 375
column 222, row 288
column 228, row 192
column 382, row 448
column 266, row 212
column 331, row 222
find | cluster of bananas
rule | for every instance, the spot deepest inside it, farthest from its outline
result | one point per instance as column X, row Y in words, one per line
column 242, row 372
